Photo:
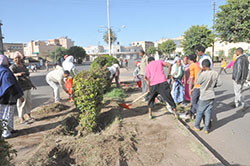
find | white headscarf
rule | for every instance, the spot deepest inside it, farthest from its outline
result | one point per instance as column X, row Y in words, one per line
column 68, row 63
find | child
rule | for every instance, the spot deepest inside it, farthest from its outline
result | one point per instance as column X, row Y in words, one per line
column 208, row 80
column 69, row 85
column 223, row 65
column 137, row 75
column 178, row 88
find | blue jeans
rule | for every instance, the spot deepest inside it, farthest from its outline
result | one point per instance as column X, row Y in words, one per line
column 204, row 109
column 194, row 100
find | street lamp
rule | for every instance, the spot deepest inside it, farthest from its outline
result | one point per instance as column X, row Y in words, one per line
column 109, row 30
column 104, row 29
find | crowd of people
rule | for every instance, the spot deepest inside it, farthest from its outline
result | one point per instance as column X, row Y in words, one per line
column 190, row 80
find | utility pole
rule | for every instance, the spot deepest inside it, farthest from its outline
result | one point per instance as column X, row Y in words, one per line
column 109, row 30
column 1, row 39
column 214, row 12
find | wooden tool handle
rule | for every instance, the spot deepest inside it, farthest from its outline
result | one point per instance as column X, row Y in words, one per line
column 139, row 97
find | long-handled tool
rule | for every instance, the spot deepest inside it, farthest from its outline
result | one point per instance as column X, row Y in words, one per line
column 127, row 106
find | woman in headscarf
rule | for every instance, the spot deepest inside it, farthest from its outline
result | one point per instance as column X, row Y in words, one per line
column 177, row 74
column 10, row 91
column 68, row 64
column 22, row 75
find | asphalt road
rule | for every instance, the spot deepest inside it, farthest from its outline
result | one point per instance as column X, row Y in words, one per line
column 44, row 93
column 230, row 135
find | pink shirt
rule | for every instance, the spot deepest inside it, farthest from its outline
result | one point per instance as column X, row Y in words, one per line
column 155, row 72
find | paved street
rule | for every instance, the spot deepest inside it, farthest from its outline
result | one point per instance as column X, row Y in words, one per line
column 231, row 132
column 43, row 94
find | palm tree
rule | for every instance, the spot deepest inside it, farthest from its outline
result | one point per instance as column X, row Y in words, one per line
column 113, row 37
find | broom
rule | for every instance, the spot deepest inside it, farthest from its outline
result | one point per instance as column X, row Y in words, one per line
column 127, row 106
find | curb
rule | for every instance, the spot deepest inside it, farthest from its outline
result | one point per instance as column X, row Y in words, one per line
column 204, row 144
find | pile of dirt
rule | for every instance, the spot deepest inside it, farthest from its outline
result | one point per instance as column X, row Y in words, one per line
column 55, row 107
column 114, row 146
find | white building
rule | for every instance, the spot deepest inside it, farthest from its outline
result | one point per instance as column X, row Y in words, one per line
column 144, row 44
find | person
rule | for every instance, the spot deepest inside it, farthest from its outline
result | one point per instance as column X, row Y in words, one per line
column 22, row 74
column 137, row 76
column 207, row 80
column 222, row 66
column 178, row 88
column 186, row 79
column 158, row 84
column 126, row 62
column 194, row 88
column 240, row 73
column 114, row 74
column 55, row 79
column 68, row 64
column 10, row 91
column 143, row 64
column 201, row 54
column 47, row 65
column 69, row 84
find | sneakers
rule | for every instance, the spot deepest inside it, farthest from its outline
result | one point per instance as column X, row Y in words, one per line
column 206, row 132
column 196, row 129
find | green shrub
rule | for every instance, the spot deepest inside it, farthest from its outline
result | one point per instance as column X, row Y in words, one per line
column 104, row 60
column 6, row 151
column 89, row 88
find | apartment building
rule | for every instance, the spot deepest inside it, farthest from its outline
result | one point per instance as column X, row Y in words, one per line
column 144, row 44
column 44, row 48
column 11, row 48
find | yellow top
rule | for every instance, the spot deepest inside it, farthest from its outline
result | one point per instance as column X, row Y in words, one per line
column 223, row 64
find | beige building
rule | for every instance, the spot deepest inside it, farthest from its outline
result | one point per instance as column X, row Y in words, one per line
column 11, row 48
column 44, row 48
column 144, row 44
column 66, row 42
column 38, row 48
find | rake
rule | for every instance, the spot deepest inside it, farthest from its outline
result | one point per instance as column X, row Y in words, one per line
column 128, row 106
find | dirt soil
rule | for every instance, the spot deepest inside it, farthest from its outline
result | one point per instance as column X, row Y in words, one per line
column 124, row 138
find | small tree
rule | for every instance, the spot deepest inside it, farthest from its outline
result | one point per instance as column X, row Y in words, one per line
column 233, row 21
column 167, row 47
column 197, row 36
column 221, row 54
column 151, row 50
column 231, row 53
column 78, row 53
column 58, row 53
column 113, row 37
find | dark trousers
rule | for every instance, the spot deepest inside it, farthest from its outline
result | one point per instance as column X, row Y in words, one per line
column 164, row 90
column 204, row 109
column 195, row 99
column 222, row 69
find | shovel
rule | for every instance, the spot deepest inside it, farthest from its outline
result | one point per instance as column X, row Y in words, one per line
column 127, row 106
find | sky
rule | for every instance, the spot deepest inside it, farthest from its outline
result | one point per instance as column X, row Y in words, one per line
column 84, row 21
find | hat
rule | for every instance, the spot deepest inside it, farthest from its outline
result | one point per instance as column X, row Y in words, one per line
column 18, row 54
column 65, row 56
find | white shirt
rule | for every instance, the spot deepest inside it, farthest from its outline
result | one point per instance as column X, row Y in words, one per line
column 203, row 57
column 112, row 71
column 56, row 76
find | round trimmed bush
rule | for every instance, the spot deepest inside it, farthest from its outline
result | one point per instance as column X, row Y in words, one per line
column 102, row 61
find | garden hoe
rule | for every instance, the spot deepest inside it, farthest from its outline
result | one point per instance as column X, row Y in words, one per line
column 128, row 106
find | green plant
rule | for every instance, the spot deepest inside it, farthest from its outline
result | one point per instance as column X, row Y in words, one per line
column 78, row 53
column 102, row 61
column 6, row 151
column 89, row 88
column 113, row 36
column 231, row 53
column 151, row 50
column 167, row 47
column 197, row 36
column 233, row 21
column 115, row 94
